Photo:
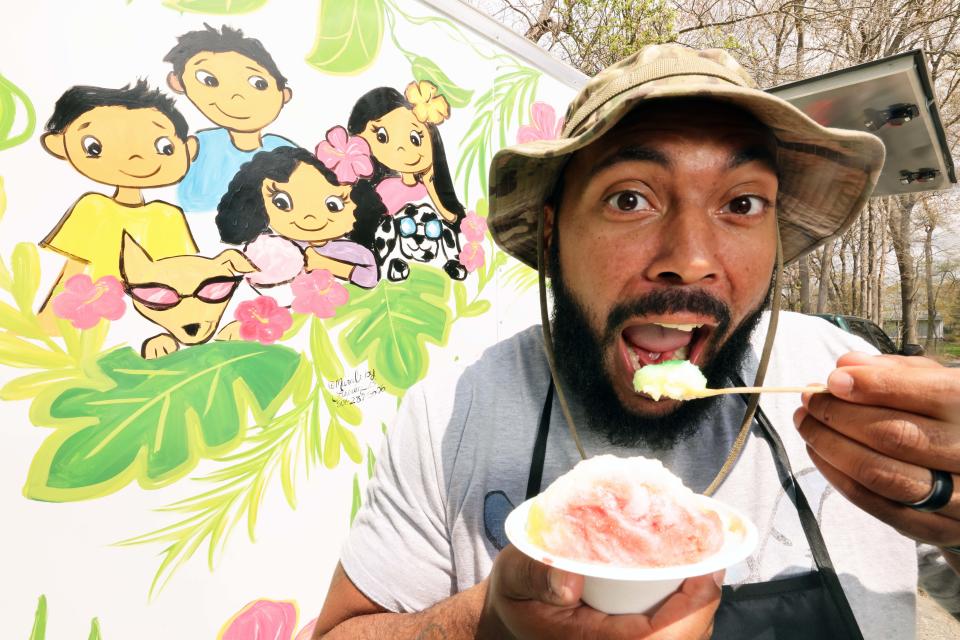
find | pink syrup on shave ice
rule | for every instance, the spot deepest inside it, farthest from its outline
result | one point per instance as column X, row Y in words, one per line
column 627, row 512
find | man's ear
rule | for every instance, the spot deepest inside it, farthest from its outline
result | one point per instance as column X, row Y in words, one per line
column 55, row 144
column 174, row 82
column 133, row 258
column 236, row 261
column 287, row 94
column 193, row 147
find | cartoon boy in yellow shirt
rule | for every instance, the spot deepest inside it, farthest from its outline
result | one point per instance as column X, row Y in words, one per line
column 131, row 139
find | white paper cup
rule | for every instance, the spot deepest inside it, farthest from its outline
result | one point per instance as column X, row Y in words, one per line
column 617, row 590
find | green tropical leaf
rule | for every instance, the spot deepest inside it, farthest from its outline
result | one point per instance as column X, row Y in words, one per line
column 18, row 323
column 520, row 277
column 389, row 326
column 94, row 630
column 15, row 352
column 10, row 94
column 355, row 505
column 475, row 309
column 508, row 100
column 152, row 420
column 324, row 356
column 331, row 446
column 349, row 34
column 371, row 462
column 26, row 275
column 426, row 69
column 6, row 279
column 39, row 631
column 214, row 7
column 31, row 385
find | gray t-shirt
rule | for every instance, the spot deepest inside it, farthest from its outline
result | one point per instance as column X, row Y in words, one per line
column 458, row 456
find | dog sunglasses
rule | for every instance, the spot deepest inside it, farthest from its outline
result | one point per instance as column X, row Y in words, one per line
column 161, row 297
column 431, row 229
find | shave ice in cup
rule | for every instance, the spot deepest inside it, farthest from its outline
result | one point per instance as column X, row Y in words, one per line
column 632, row 529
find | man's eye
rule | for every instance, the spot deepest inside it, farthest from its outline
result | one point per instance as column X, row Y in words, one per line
column 745, row 205
column 282, row 200
column 207, row 78
column 334, row 204
column 91, row 146
column 628, row 201
column 164, row 146
column 416, row 138
column 382, row 136
column 258, row 83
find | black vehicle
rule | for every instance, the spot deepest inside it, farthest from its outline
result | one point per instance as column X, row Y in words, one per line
column 870, row 332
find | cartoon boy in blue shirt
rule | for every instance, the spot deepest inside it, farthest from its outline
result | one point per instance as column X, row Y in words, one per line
column 235, row 83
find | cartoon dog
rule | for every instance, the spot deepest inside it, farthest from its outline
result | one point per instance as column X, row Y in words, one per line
column 417, row 233
column 186, row 295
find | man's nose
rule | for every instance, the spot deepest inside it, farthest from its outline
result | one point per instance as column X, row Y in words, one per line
column 686, row 250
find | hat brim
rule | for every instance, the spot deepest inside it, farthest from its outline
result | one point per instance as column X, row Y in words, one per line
column 826, row 175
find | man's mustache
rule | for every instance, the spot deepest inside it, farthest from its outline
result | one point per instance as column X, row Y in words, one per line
column 665, row 301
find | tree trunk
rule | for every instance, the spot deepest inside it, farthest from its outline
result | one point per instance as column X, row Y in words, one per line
column 826, row 266
column 804, row 284
column 931, row 297
column 900, row 236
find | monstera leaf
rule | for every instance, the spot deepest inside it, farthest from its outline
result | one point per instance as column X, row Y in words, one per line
column 215, row 7
column 348, row 36
column 152, row 420
column 426, row 69
column 390, row 325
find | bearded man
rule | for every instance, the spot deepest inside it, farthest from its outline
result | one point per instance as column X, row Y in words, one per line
column 663, row 216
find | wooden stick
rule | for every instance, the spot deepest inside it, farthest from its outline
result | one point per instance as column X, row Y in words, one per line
column 706, row 393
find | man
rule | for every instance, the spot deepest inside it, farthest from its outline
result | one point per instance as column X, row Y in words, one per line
column 233, row 80
column 662, row 205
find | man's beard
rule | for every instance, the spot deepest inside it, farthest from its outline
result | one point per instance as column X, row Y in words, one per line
column 580, row 361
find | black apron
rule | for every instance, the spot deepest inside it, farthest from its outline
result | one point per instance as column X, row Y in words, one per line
column 804, row 607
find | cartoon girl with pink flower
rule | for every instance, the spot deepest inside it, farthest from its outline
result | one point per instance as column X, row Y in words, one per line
column 298, row 213
column 410, row 165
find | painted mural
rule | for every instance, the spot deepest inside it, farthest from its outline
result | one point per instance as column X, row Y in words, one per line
column 233, row 233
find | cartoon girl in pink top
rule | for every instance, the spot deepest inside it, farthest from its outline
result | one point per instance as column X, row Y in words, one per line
column 410, row 165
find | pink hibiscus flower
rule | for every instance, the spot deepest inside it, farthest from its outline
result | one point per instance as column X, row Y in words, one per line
column 347, row 156
column 471, row 256
column 317, row 292
column 473, row 227
column 84, row 302
column 545, row 124
column 262, row 620
column 262, row 319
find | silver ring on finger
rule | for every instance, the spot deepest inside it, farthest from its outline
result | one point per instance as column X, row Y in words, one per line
column 940, row 493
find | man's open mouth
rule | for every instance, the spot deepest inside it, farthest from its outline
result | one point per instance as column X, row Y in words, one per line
column 661, row 340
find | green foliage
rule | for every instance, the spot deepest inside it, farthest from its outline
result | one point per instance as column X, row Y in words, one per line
column 426, row 69
column 39, row 631
column 355, row 503
column 389, row 326
column 520, row 277
column 597, row 33
column 152, row 420
column 94, row 630
column 215, row 7
column 291, row 439
column 506, row 104
column 10, row 95
column 349, row 35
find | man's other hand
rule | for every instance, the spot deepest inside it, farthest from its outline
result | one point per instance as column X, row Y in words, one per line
column 528, row 599
column 886, row 423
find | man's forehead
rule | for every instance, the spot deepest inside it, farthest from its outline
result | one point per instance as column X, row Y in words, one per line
column 650, row 135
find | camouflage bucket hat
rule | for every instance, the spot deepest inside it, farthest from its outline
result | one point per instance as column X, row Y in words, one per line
column 826, row 175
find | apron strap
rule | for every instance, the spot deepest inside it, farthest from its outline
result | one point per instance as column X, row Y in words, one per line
column 540, row 447
column 807, row 520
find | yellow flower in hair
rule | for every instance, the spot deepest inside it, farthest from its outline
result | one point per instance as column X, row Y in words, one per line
column 428, row 105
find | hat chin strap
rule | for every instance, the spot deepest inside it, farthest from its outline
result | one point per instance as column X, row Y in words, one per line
column 758, row 380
